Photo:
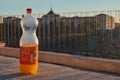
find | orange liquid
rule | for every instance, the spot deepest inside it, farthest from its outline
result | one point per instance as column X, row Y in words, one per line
column 28, row 67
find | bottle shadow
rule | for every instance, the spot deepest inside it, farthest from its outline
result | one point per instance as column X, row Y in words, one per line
column 9, row 76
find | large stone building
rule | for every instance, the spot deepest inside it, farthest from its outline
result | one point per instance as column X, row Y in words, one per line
column 105, row 21
column 57, row 32
column 102, row 21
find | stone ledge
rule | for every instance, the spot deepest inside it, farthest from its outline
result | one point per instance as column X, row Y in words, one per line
column 97, row 64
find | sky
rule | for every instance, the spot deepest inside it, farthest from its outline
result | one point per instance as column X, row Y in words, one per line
column 43, row 6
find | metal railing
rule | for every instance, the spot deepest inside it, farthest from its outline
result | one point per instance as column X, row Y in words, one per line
column 95, row 33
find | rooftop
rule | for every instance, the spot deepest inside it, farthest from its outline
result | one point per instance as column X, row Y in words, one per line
column 9, row 70
column 55, row 66
column 50, row 12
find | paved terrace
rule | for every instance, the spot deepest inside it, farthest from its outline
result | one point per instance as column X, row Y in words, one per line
column 9, row 70
column 71, row 67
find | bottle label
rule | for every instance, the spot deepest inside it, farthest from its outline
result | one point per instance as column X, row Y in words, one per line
column 29, row 54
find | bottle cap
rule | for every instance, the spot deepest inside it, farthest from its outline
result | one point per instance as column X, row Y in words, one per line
column 29, row 10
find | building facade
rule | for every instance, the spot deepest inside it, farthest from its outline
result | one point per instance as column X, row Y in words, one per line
column 101, row 21
column 1, row 19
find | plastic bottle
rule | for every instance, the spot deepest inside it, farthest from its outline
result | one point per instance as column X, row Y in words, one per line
column 29, row 44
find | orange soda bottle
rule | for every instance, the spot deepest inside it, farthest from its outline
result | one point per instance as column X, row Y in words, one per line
column 29, row 44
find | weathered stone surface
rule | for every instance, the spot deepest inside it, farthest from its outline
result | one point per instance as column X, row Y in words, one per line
column 9, row 70
column 98, row 64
